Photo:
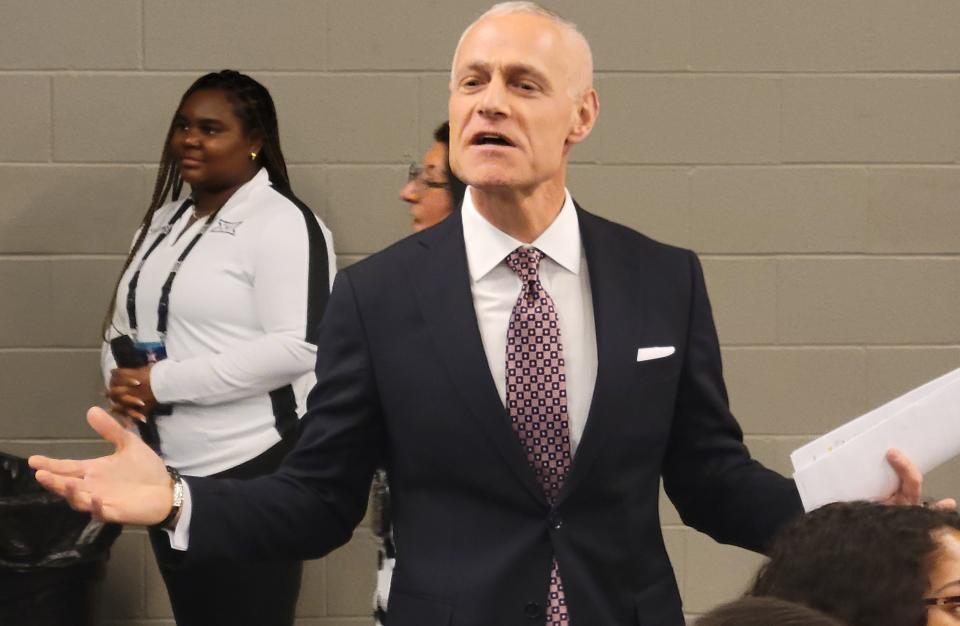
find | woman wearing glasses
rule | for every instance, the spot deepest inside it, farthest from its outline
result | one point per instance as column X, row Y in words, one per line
column 433, row 193
column 870, row 565
column 432, row 190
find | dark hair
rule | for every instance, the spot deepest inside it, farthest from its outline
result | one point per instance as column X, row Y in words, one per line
column 765, row 612
column 865, row 563
column 254, row 107
column 457, row 187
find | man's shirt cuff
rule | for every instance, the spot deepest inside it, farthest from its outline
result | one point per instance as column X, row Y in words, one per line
column 180, row 535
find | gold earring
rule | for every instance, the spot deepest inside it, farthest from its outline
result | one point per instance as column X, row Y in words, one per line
column 253, row 156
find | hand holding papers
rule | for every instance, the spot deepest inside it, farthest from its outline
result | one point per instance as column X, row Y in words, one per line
column 849, row 463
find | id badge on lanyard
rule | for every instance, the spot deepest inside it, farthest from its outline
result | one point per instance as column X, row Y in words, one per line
column 153, row 351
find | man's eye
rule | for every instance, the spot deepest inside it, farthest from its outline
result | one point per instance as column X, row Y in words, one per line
column 525, row 85
column 471, row 82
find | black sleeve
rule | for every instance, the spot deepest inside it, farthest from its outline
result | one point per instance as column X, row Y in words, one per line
column 708, row 473
column 312, row 503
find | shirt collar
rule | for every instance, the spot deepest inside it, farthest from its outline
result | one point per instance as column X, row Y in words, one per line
column 260, row 179
column 487, row 245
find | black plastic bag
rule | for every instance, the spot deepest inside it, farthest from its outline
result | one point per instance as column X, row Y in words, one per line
column 49, row 553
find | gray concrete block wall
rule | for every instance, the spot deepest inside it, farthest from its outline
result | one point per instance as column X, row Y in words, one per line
column 810, row 152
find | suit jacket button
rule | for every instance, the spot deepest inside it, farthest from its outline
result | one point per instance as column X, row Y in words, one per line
column 555, row 520
column 533, row 610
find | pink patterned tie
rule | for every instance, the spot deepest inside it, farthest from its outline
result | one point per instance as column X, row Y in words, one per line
column 537, row 394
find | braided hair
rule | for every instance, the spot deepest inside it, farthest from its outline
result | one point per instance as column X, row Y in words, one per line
column 253, row 106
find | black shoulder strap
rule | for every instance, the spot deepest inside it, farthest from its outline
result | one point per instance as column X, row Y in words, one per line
column 318, row 281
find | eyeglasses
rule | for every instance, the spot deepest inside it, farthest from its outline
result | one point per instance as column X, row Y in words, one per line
column 416, row 175
column 947, row 601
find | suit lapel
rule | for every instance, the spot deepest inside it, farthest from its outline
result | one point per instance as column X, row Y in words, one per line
column 617, row 307
column 442, row 284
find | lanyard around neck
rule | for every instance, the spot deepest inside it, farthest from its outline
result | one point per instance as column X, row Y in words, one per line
column 163, row 307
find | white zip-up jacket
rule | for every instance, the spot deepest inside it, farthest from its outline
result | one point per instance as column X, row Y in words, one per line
column 242, row 315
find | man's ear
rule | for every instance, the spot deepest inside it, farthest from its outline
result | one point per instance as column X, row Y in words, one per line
column 585, row 116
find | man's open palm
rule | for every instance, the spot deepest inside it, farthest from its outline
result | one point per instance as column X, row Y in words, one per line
column 130, row 486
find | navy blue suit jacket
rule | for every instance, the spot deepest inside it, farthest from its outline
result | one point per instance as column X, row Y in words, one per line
column 403, row 382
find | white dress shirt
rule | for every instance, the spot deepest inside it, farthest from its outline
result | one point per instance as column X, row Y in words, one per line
column 563, row 273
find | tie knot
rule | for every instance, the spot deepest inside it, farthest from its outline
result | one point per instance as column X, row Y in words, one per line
column 525, row 261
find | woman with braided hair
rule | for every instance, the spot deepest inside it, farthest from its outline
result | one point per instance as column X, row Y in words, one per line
column 209, row 340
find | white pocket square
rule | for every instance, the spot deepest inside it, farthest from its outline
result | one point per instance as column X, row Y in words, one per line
column 658, row 352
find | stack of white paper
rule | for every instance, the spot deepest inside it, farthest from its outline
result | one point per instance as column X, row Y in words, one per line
column 849, row 463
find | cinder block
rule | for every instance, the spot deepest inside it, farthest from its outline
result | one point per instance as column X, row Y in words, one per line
column 876, row 119
column 399, row 40
column 892, row 372
column 46, row 34
column 149, row 182
column 121, row 593
column 914, row 210
column 642, row 35
column 774, row 452
column 590, row 150
column 313, row 590
column 773, row 209
column 668, row 513
column 77, row 449
column 65, row 209
column 46, row 394
column 54, row 303
column 351, row 575
column 397, row 35
column 365, row 210
column 743, row 293
column 25, row 117
column 433, row 92
column 779, row 35
column 918, row 35
column 943, row 482
column 795, row 391
column 675, row 540
column 869, row 300
column 25, row 309
column 281, row 35
column 114, row 118
column 682, row 119
column 157, row 600
column 346, row 260
column 80, row 293
column 654, row 201
column 346, row 118
column 310, row 184
column 716, row 573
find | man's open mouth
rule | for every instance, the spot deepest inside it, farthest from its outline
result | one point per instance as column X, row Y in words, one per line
column 491, row 139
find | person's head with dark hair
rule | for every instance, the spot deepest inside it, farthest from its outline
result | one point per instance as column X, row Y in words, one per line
column 223, row 132
column 766, row 612
column 457, row 187
column 432, row 190
column 868, row 564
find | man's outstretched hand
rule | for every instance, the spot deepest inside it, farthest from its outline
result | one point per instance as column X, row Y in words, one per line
column 130, row 486
column 911, row 483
